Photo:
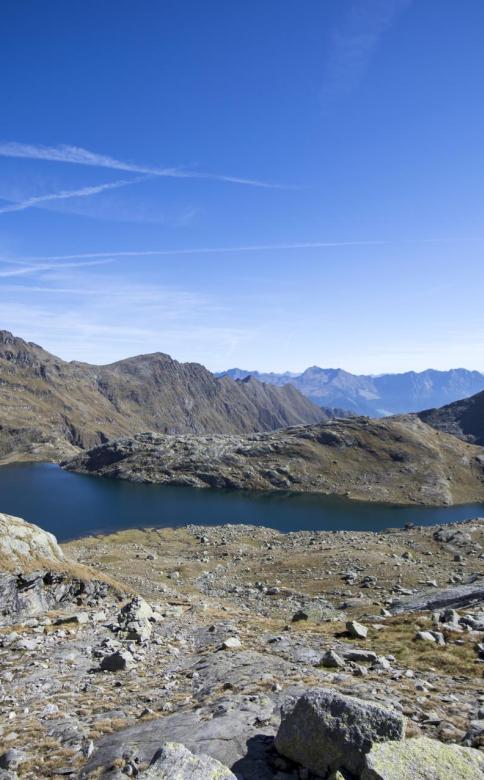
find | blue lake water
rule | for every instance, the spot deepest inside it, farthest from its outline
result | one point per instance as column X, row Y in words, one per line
column 72, row 505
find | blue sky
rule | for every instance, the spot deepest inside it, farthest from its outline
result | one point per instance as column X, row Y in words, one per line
column 267, row 184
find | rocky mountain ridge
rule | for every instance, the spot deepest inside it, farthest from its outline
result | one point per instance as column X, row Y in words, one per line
column 375, row 396
column 49, row 408
column 464, row 419
column 398, row 460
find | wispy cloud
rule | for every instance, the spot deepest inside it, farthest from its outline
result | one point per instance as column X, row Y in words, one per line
column 205, row 250
column 78, row 316
column 353, row 44
column 22, row 268
column 83, row 192
column 79, row 156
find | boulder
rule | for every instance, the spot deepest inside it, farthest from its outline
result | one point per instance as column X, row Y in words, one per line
column 332, row 660
column 361, row 656
column 425, row 636
column 22, row 542
column 12, row 759
column 119, row 661
column 325, row 730
column 356, row 630
column 175, row 762
column 232, row 643
column 422, row 759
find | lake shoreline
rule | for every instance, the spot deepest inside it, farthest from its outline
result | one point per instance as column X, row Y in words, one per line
column 74, row 506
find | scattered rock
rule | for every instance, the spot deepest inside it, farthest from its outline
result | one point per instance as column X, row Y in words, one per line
column 232, row 643
column 356, row 630
column 12, row 759
column 332, row 660
column 300, row 615
column 119, row 661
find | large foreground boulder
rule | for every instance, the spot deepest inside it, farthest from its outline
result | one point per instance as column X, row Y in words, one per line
column 422, row 759
column 175, row 762
column 325, row 731
column 22, row 543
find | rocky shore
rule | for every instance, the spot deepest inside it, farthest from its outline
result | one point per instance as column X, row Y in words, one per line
column 238, row 651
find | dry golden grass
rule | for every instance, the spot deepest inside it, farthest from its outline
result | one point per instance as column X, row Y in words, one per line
column 398, row 639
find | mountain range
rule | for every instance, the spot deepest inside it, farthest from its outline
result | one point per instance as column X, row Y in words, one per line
column 50, row 407
column 375, row 396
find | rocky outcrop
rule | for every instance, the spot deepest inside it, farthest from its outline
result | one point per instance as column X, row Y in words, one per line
column 396, row 460
column 325, row 731
column 25, row 595
column 422, row 759
column 22, row 543
column 35, row 575
column 438, row 598
column 463, row 418
column 77, row 405
column 234, row 730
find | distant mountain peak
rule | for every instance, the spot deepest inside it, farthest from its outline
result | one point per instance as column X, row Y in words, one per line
column 376, row 395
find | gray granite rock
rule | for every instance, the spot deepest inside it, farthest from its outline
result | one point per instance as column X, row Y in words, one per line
column 175, row 762
column 422, row 759
column 324, row 730
column 235, row 730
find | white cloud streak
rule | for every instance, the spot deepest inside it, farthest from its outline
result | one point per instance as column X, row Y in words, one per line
column 92, row 325
column 79, row 156
column 25, row 269
column 203, row 250
column 83, row 192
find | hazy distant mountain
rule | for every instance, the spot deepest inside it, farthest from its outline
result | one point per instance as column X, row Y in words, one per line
column 376, row 396
column 48, row 405
column 464, row 419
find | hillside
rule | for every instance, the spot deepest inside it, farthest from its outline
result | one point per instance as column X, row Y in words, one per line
column 464, row 419
column 49, row 407
column 396, row 460
column 207, row 636
column 376, row 396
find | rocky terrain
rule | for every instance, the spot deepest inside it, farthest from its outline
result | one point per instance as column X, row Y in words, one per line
column 375, row 396
column 397, row 460
column 50, row 408
column 464, row 419
column 240, row 652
